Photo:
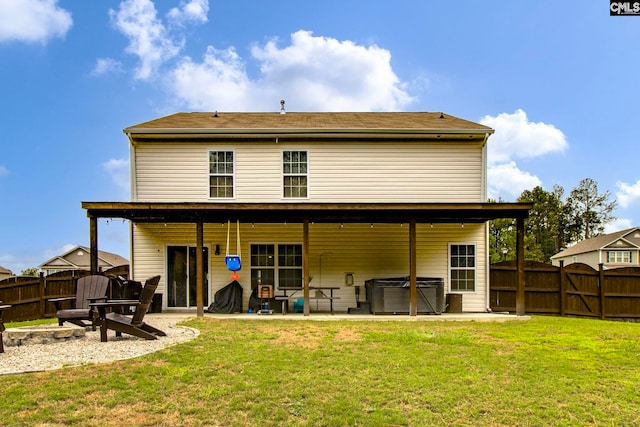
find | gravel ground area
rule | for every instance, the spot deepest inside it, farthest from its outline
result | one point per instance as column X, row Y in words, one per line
column 45, row 357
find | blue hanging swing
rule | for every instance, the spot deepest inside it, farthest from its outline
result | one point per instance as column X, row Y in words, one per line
column 233, row 261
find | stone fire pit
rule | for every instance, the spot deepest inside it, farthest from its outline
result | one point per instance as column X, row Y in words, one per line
column 41, row 334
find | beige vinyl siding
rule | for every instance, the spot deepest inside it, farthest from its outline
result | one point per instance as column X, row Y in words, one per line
column 367, row 252
column 340, row 171
column 428, row 172
column 589, row 258
column 150, row 248
column 168, row 172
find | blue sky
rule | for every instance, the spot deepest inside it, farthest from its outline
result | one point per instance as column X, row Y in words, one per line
column 556, row 82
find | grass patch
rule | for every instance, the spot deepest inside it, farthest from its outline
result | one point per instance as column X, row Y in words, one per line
column 547, row 371
column 31, row 323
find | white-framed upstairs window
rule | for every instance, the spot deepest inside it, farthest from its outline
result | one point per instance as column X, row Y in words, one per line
column 295, row 174
column 462, row 267
column 618, row 257
column 221, row 174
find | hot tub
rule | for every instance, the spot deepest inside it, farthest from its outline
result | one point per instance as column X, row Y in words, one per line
column 391, row 295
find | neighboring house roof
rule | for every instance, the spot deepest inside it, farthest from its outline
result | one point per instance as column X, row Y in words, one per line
column 630, row 235
column 5, row 271
column 78, row 258
column 317, row 122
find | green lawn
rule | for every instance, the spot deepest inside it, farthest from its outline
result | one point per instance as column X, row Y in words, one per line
column 544, row 372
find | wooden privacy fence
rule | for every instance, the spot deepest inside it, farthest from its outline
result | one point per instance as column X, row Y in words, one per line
column 28, row 295
column 573, row 290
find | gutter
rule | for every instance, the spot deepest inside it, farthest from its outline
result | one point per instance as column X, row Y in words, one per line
column 306, row 131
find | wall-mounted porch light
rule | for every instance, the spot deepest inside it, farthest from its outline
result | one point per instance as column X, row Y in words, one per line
column 348, row 279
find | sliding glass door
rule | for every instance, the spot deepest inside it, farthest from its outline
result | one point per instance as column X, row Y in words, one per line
column 182, row 276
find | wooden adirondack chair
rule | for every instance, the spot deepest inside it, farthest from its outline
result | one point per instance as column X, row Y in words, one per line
column 2, row 328
column 89, row 289
column 132, row 325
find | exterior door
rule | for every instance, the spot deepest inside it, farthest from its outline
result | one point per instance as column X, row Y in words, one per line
column 182, row 277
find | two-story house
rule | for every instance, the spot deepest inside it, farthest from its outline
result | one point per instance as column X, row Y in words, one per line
column 321, row 199
column 613, row 250
column 78, row 258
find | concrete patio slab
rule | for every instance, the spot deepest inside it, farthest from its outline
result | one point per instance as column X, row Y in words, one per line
column 444, row 317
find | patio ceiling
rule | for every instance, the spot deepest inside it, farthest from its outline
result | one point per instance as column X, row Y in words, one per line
column 178, row 212
column 306, row 213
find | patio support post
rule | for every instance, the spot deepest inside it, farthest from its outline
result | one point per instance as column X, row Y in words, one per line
column 93, row 244
column 563, row 287
column 520, row 308
column 200, row 272
column 603, row 315
column 413, row 293
column 305, row 265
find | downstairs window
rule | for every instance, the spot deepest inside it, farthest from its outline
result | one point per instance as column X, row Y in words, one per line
column 462, row 267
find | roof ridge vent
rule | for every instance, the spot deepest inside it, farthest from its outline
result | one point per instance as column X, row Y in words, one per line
column 282, row 111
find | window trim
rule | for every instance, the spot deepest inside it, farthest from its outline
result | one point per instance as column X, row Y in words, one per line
column 474, row 268
column 284, row 175
column 232, row 175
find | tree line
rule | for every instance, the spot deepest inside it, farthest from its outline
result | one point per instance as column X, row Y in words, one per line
column 554, row 222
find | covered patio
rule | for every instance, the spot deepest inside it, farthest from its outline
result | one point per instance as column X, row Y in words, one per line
column 310, row 213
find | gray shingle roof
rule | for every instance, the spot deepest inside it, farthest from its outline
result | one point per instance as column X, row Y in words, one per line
column 597, row 243
column 304, row 121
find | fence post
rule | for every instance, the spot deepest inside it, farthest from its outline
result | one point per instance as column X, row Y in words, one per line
column 520, row 282
column 42, row 295
column 562, row 288
column 601, row 289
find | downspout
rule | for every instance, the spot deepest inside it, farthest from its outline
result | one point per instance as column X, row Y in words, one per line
column 487, row 269
column 132, row 171
column 133, row 194
column 487, row 251
column 484, row 167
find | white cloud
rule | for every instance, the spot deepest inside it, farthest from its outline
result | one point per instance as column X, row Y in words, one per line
column 118, row 169
column 149, row 39
column 33, row 21
column 322, row 73
column 617, row 225
column 219, row 82
column 3, row 171
column 508, row 182
column 105, row 66
column 517, row 137
column 628, row 193
column 312, row 74
column 194, row 10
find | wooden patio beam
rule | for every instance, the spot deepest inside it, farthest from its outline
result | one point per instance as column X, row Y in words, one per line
column 314, row 212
